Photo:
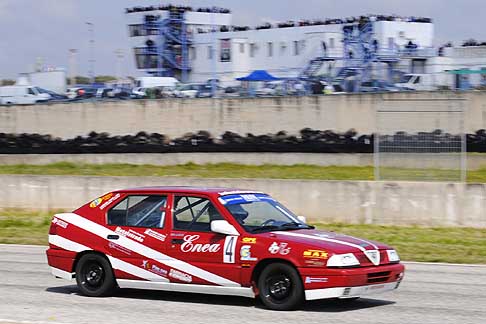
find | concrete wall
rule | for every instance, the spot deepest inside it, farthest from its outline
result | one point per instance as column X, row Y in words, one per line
column 405, row 160
column 175, row 117
column 407, row 203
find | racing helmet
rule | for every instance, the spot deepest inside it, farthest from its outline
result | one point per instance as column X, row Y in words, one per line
column 238, row 212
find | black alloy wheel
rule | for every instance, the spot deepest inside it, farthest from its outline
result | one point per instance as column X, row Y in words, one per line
column 94, row 276
column 280, row 287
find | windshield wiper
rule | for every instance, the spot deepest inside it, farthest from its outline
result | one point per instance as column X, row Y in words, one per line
column 265, row 228
column 295, row 225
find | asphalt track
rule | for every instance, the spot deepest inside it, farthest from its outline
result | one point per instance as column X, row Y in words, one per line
column 430, row 293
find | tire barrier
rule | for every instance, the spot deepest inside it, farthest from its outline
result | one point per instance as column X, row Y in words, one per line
column 307, row 141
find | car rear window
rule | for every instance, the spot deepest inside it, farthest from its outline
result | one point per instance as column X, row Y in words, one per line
column 139, row 211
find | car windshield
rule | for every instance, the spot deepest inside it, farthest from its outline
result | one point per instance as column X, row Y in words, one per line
column 407, row 78
column 261, row 213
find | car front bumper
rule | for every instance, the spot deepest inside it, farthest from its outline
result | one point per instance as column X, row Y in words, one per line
column 350, row 292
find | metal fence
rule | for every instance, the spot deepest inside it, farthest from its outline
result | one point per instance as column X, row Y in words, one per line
column 427, row 130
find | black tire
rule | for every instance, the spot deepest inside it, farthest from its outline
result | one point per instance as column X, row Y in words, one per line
column 94, row 276
column 280, row 287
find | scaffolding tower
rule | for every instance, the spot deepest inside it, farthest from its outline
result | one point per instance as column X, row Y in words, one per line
column 171, row 48
column 361, row 54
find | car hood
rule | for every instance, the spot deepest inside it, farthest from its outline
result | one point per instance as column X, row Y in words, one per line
column 331, row 241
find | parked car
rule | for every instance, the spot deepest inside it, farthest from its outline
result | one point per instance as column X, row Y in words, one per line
column 214, row 241
column 187, row 90
column 52, row 95
column 81, row 92
column 139, row 93
column 206, row 91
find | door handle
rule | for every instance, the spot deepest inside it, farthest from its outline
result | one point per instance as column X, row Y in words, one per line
column 113, row 237
column 177, row 241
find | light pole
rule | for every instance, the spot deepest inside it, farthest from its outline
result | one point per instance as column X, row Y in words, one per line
column 91, row 72
column 213, row 53
column 119, row 64
column 72, row 65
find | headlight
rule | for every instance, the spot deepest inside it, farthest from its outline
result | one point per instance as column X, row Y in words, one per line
column 392, row 256
column 342, row 260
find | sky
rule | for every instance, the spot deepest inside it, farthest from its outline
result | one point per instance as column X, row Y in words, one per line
column 45, row 30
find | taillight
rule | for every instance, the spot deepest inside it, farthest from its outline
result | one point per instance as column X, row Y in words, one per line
column 53, row 229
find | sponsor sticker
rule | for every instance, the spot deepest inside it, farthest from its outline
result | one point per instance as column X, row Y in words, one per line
column 147, row 265
column 130, row 234
column 315, row 280
column 243, row 198
column 189, row 245
column 155, row 235
column 314, row 263
column 59, row 222
column 249, row 240
column 176, row 274
column 245, row 253
column 277, row 248
column 109, row 201
column 119, row 248
column 98, row 201
column 315, row 254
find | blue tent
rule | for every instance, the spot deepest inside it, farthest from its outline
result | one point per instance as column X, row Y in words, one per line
column 259, row 75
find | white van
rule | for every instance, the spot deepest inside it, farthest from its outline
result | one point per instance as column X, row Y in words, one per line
column 152, row 82
column 419, row 82
column 21, row 95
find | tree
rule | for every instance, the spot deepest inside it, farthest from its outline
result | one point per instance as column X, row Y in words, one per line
column 7, row 82
column 82, row 80
column 104, row 78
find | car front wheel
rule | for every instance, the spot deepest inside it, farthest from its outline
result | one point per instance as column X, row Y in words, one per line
column 280, row 287
column 94, row 276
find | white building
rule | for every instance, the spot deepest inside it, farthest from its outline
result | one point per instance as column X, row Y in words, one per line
column 400, row 44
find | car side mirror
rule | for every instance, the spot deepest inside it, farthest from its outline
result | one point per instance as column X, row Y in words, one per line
column 302, row 219
column 223, row 227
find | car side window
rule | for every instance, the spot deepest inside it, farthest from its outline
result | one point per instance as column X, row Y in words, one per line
column 194, row 214
column 139, row 211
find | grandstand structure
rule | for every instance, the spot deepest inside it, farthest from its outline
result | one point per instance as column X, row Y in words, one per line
column 196, row 45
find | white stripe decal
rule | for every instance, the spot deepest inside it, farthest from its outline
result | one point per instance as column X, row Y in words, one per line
column 116, row 263
column 136, row 271
column 67, row 244
column 141, row 249
column 307, row 236
column 368, row 242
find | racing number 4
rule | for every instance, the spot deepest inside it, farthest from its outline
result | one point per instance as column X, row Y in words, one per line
column 229, row 249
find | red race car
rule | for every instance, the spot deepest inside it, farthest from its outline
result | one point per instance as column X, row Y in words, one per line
column 213, row 241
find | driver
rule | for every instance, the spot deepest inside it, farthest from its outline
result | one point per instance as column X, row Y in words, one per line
column 238, row 213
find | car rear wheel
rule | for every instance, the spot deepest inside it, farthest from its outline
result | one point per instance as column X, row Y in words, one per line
column 94, row 276
column 280, row 287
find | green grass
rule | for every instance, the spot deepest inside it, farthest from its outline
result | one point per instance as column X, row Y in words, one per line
column 221, row 170
column 452, row 245
column 426, row 244
column 24, row 227
column 230, row 170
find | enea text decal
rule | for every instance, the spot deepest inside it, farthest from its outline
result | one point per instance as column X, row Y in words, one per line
column 315, row 254
column 189, row 245
column 277, row 248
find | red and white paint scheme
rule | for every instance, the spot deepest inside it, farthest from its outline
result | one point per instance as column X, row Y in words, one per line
column 214, row 241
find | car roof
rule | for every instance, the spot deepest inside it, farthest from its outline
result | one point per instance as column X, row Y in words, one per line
column 219, row 191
